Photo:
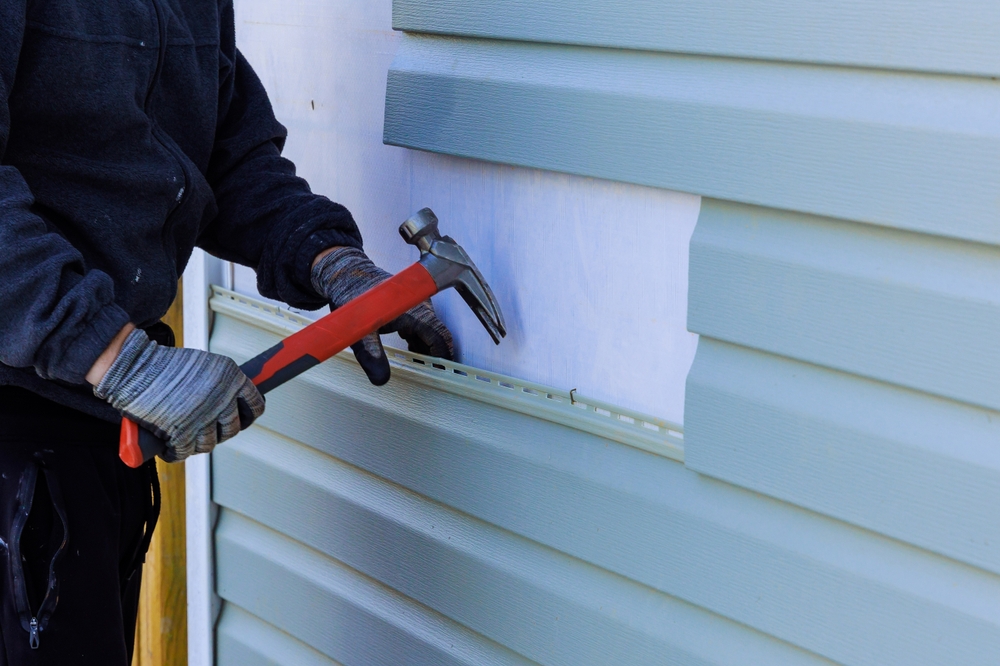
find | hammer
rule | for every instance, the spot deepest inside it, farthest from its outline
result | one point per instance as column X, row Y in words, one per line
column 443, row 263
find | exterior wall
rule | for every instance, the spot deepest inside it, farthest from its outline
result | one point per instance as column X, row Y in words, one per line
column 843, row 274
column 443, row 519
column 832, row 501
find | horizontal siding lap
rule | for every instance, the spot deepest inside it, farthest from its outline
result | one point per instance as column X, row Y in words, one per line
column 845, row 368
column 850, row 595
column 906, row 310
column 545, row 605
column 245, row 640
column 924, row 35
column 917, row 468
column 910, row 151
column 334, row 609
column 899, row 307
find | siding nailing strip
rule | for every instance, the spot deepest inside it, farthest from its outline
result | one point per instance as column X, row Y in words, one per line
column 616, row 423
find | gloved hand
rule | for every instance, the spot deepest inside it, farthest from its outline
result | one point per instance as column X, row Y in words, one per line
column 346, row 273
column 189, row 397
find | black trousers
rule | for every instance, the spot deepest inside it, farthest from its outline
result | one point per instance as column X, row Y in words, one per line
column 75, row 524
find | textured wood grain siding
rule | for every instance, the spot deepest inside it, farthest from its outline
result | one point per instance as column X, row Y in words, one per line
column 245, row 640
column 333, row 608
column 898, row 304
column 911, row 454
column 565, row 611
column 916, row 152
column 918, row 468
column 561, row 546
column 905, row 308
column 927, row 35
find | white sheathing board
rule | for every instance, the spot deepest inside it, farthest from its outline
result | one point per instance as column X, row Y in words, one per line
column 591, row 274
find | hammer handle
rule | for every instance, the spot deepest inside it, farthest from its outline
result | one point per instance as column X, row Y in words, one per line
column 311, row 346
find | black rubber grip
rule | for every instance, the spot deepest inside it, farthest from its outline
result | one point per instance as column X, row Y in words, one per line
column 151, row 445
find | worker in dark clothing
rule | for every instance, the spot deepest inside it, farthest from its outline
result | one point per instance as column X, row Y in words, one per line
column 130, row 133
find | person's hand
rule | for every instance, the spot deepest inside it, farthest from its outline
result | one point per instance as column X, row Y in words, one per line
column 191, row 398
column 344, row 273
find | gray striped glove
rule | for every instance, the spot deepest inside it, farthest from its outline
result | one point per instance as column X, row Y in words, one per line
column 345, row 274
column 189, row 397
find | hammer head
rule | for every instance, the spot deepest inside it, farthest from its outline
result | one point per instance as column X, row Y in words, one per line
column 450, row 266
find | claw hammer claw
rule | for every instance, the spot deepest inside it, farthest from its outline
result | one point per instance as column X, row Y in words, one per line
column 450, row 266
column 443, row 264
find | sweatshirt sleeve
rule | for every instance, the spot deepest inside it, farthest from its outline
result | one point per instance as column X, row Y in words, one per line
column 55, row 315
column 268, row 217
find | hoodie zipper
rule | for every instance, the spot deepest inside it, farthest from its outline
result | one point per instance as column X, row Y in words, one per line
column 159, row 134
column 34, row 623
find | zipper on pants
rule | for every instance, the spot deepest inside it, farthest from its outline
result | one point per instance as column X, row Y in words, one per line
column 35, row 622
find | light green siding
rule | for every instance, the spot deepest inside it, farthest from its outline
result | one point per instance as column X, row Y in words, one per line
column 861, row 366
column 906, row 464
column 908, row 309
column 420, row 524
column 245, row 640
column 911, row 151
column 918, row 35
column 844, row 279
column 833, row 497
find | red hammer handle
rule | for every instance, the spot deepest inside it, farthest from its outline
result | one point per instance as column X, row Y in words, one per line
column 311, row 346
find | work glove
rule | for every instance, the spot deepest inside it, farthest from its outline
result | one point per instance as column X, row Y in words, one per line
column 190, row 398
column 345, row 274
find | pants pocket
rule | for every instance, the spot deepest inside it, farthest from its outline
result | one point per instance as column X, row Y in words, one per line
column 38, row 538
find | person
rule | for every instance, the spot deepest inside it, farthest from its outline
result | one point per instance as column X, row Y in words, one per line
column 132, row 132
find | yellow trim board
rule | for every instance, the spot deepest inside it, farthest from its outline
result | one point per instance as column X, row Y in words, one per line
column 618, row 424
column 161, row 627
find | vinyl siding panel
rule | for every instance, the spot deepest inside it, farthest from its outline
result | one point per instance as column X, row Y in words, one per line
column 923, row 35
column 497, row 520
column 547, row 606
column 245, row 640
column 831, row 498
column 918, row 468
column 903, row 308
column 910, row 151
column 333, row 608
column 912, row 454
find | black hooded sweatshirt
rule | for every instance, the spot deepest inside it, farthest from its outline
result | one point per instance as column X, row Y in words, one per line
column 132, row 131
